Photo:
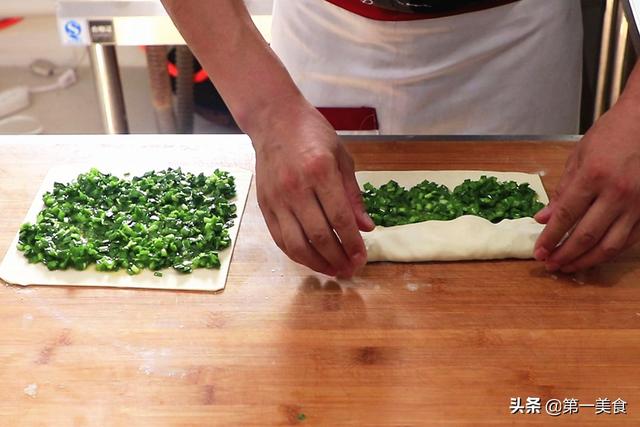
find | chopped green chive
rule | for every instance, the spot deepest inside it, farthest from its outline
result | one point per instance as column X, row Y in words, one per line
column 391, row 204
column 155, row 221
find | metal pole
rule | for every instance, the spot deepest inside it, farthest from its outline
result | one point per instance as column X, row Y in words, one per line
column 161, row 96
column 620, row 56
column 104, row 63
column 633, row 17
column 605, row 56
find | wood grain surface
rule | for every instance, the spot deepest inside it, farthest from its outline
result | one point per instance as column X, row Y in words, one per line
column 416, row 344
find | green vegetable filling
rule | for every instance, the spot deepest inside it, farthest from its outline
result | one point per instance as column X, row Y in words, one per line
column 487, row 197
column 155, row 221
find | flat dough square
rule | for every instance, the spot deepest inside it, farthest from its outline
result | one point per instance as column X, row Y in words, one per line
column 16, row 270
column 464, row 238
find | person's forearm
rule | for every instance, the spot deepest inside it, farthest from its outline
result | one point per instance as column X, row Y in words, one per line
column 244, row 69
column 631, row 93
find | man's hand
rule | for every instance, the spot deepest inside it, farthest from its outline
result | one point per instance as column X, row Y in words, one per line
column 598, row 199
column 306, row 184
column 307, row 189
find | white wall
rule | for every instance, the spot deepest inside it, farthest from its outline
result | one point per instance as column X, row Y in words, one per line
column 27, row 7
column 37, row 37
column 34, row 37
column 45, row 7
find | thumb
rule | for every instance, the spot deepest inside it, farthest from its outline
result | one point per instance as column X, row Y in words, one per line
column 365, row 223
column 546, row 213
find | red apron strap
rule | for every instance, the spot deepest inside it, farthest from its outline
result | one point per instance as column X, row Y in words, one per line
column 379, row 14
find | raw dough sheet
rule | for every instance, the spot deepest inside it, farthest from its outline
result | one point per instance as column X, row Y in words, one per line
column 16, row 270
column 464, row 238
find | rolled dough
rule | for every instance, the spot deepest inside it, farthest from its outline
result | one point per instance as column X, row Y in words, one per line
column 464, row 238
column 17, row 271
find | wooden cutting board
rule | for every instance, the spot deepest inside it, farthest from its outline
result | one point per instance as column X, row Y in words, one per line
column 402, row 344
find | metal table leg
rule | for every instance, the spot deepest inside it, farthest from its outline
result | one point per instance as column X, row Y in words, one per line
column 604, row 67
column 620, row 57
column 104, row 63
column 615, row 57
column 633, row 17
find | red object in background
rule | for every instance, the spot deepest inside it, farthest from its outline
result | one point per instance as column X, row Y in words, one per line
column 8, row 22
column 351, row 119
column 198, row 76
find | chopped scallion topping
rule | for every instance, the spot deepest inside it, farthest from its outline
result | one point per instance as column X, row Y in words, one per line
column 391, row 204
column 155, row 221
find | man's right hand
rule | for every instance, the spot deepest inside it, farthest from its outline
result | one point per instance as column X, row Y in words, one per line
column 306, row 184
column 307, row 190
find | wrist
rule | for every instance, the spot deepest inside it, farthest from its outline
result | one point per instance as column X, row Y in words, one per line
column 629, row 106
column 272, row 114
column 263, row 111
column 630, row 97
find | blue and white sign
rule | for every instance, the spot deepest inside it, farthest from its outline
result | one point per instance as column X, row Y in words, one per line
column 74, row 31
